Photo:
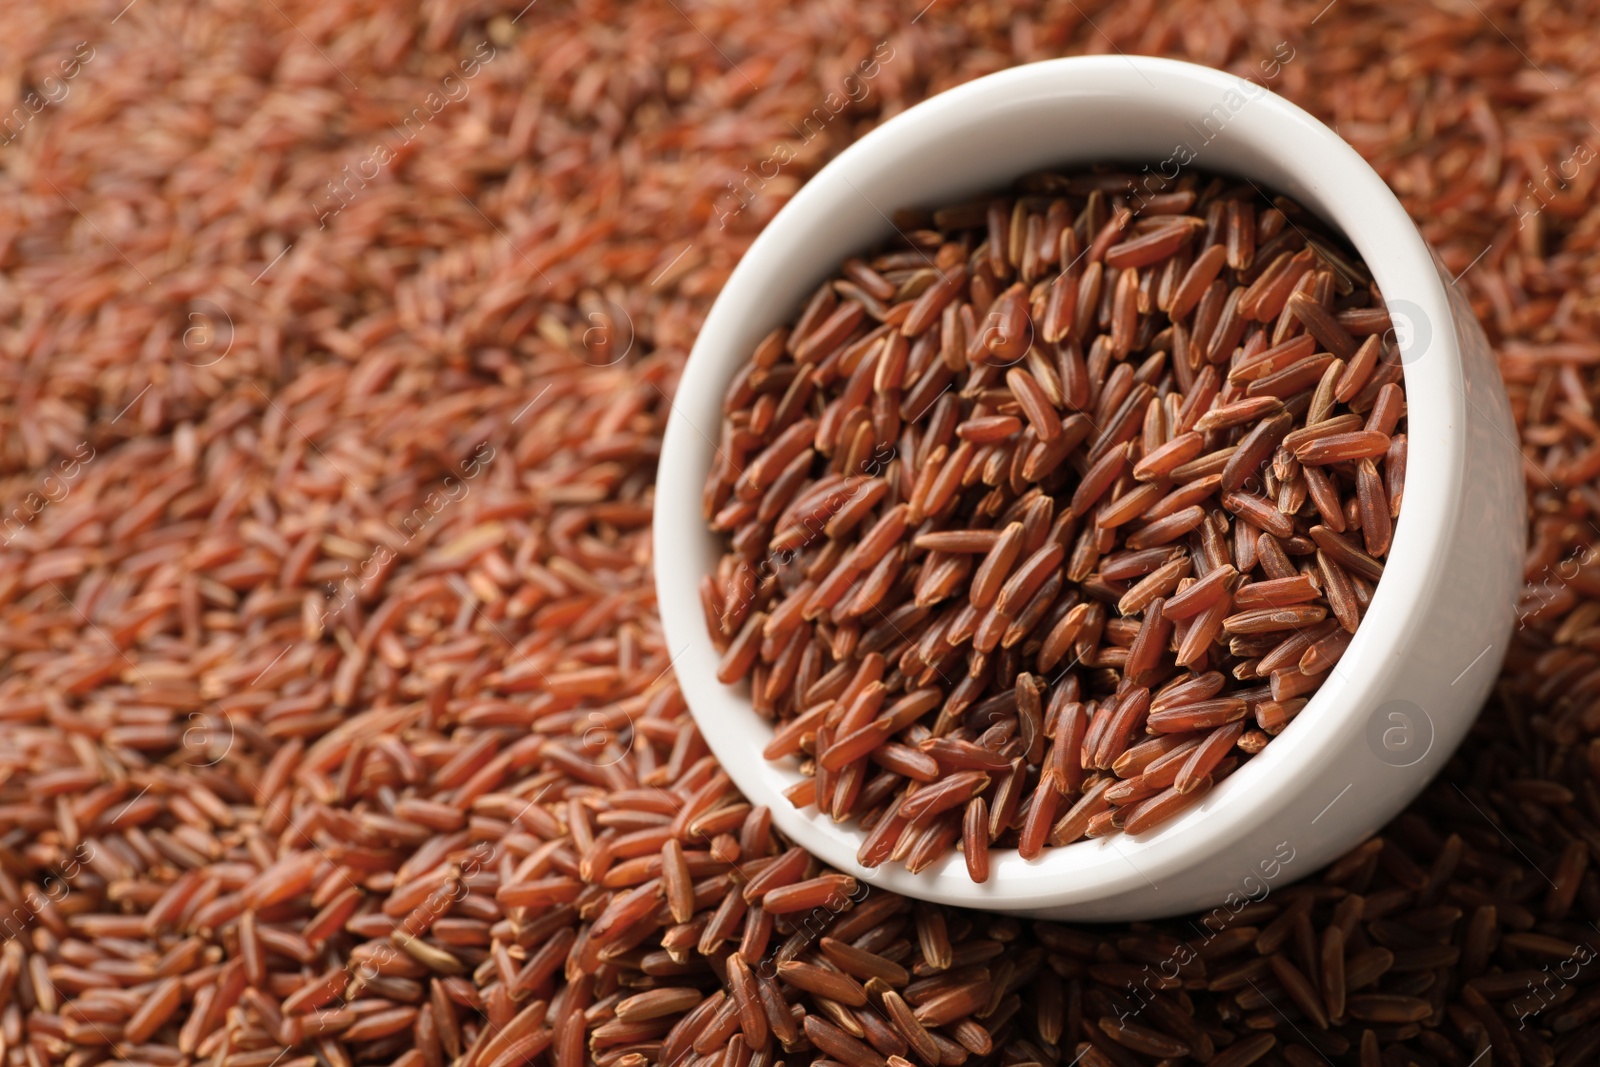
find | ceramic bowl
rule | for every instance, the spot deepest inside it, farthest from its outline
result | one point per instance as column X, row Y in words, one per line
column 1431, row 643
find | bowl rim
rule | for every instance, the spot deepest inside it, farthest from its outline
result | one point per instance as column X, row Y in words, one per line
column 1370, row 217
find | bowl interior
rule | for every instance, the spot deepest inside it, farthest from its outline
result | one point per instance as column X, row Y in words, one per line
column 978, row 138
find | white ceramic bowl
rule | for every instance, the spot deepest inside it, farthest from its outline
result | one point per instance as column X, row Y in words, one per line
column 1421, row 663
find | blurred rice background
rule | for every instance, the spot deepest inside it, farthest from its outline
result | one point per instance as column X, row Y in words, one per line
column 336, row 340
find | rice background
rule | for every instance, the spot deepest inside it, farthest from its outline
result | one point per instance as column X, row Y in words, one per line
column 336, row 341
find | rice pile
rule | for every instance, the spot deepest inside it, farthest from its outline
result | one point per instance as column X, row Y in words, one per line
column 929, row 522
column 338, row 727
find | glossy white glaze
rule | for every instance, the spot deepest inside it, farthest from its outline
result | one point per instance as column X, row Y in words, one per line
column 1417, row 671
